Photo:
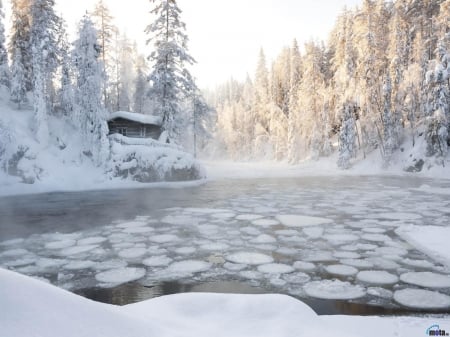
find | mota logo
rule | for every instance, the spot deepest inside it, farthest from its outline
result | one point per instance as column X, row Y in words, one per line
column 435, row 330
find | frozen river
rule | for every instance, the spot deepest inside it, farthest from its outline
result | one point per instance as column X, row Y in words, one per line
column 336, row 243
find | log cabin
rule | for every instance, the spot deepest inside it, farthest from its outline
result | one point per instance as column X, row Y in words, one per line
column 134, row 125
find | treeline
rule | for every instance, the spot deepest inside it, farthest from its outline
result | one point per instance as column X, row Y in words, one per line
column 382, row 76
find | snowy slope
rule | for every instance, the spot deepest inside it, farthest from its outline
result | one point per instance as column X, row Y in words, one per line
column 60, row 165
column 41, row 310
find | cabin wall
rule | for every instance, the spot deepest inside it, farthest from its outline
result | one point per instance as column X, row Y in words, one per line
column 133, row 129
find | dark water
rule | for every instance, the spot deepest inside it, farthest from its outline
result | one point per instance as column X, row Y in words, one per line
column 134, row 292
column 25, row 216
column 66, row 212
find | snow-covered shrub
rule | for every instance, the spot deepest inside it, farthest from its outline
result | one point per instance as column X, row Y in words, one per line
column 147, row 160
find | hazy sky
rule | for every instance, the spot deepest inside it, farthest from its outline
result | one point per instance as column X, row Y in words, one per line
column 226, row 35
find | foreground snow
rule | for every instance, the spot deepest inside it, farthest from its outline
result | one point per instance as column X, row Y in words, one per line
column 38, row 309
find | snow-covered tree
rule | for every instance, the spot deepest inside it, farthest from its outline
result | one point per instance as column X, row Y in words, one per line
column 141, row 87
column 66, row 97
column 45, row 52
column 438, row 122
column 19, row 43
column 347, row 137
column 17, row 85
column 4, row 69
column 171, row 81
column 107, row 32
column 90, row 114
column 389, row 139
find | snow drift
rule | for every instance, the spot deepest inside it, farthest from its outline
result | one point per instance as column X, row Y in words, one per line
column 39, row 309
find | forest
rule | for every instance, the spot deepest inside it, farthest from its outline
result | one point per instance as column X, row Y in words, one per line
column 380, row 84
column 381, row 80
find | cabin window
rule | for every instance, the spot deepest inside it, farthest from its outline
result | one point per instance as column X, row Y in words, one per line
column 122, row 131
column 143, row 135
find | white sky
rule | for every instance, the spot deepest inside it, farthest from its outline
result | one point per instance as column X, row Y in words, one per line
column 226, row 35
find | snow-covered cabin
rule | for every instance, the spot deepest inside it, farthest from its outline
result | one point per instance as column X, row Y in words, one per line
column 134, row 125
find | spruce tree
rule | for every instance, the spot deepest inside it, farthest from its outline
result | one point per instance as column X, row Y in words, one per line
column 45, row 52
column 107, row 32
column 171, row 81
column 347, row 138
column 90, row 114
column 4, row 69
column 20, row 43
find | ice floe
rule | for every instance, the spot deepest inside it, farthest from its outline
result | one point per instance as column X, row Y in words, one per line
column 290, row 220
column 341, row 270
column 379, row 277
column 304, row 266
column 422, row 299
column 77, row 265
column 60, row 244
column 157, row 261
column 132, row 253
column 426, row 279
column 334, row 290
column 119, row 276
column 275, row 268
column 249, row 258
column 188, row 267
column 77, row 250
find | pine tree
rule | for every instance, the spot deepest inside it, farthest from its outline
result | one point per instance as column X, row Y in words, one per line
column 141, row 87
column 18, row 88
column 389, row 141
column 170, row 80
column 20, row 43
column 347, row 144
column 90, row 114
column 66, row 91
column 107, row 32
column 261, row 108
column 438, row 124
column 4, row 69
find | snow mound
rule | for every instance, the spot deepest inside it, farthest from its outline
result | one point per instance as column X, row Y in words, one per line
column 377, row 277
column 426, row 279
column 275, row 268
column 422, row 299
column 151, row 161
column 290, row 220
column 249, row 258
column 119, row 276
column 334, row 290
column 342, row 270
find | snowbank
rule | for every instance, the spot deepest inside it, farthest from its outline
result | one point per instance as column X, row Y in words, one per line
column 429, row 240
column 41, row 310
column 27, row 166
column 150, row 161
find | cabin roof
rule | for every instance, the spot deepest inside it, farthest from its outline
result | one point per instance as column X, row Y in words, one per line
column 136, row 117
